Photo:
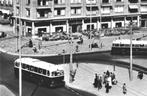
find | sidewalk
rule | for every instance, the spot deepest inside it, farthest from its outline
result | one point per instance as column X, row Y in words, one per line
column 85, row 74
column 4, row 91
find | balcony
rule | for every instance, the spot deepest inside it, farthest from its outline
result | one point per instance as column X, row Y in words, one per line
column 133, row 1
column 143, row 8
column 119, row 2
column 144, row 1
column 106, row 10
column 105, row 2
column 91, row 10
column 44, row 13
column 133, row 8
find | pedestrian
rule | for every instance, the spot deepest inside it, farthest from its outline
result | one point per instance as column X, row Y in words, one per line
column 35, row 49
column 104, row 77
column 124, row 88
column 108, row 73
column 30, row 43
column 99, row 83
column 107, row 87
column 77, row 48
column 95, row 81
column 39, row 44
column 140, row 75
column 109, row 82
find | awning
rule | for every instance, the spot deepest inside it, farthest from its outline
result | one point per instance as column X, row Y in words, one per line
column 133, row 6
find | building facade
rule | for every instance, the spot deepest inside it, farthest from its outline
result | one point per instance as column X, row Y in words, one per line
column 51, row 16
column 6, row 6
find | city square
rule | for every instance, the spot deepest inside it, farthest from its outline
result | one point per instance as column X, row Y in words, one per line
column 78, row 35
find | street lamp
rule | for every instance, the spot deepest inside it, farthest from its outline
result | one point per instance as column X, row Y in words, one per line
column 20, row 68
column 90, row 46
column 131, row 60
column 63, row 51
column 71, row 58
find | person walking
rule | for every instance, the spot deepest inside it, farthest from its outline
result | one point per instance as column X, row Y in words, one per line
column 30, row 43
column 95, row 81
column 124, row 89
column 107, row 87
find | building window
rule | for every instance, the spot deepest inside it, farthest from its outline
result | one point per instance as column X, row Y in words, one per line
column 143, row 1
column 118, row 24
column 106, row 10
column 17, row 10
column 119, row 0
column 43, row 2
column 133, row 8
column 59, row 1
column 27, row 12
column 75, row 11
column 28, row 2
column 90, row 27
column 119, row 9
column 143, row 8
column 105, row 1
column 59, row 11
column 75, row 1
column 92, row 10
column 133, row 1
column 43, row 13
column 90, row 1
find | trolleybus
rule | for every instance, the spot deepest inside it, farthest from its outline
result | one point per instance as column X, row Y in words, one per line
column 40, row 72
column 122, row 46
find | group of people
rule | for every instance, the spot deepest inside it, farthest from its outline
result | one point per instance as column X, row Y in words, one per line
column 140, row 75
column 108, row 79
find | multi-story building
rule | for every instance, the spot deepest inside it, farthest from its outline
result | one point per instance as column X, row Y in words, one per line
column 6, row 6
column 50, row 16
column 6, row 2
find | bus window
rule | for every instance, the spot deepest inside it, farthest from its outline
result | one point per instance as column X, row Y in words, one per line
column 48, row 73
column 136, row 45
column 35, row 69
column 142, row 45
column 17, row 64
column 54, row 73
column 44, row 71
column 122, row 45
column 24, row 66
column 116, row 45
column 27, row 67
column 31, row 68
column 127, row 45
column 40, row 70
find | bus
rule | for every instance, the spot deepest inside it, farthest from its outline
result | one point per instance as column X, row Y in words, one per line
column 122, row 47
column 40, row 72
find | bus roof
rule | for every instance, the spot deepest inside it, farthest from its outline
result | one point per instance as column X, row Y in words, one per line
column 40, row 64
column 127, row 41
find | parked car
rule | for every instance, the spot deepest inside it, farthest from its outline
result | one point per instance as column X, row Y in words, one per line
column 46, row 37
column 54, row 38
column 2, row 34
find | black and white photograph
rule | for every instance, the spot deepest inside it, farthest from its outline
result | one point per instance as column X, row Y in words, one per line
column 73, row 47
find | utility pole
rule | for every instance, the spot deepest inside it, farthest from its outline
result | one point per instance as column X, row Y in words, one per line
column 20, row 30
column 90, row 46
column 71, row 58
column 131, row 60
